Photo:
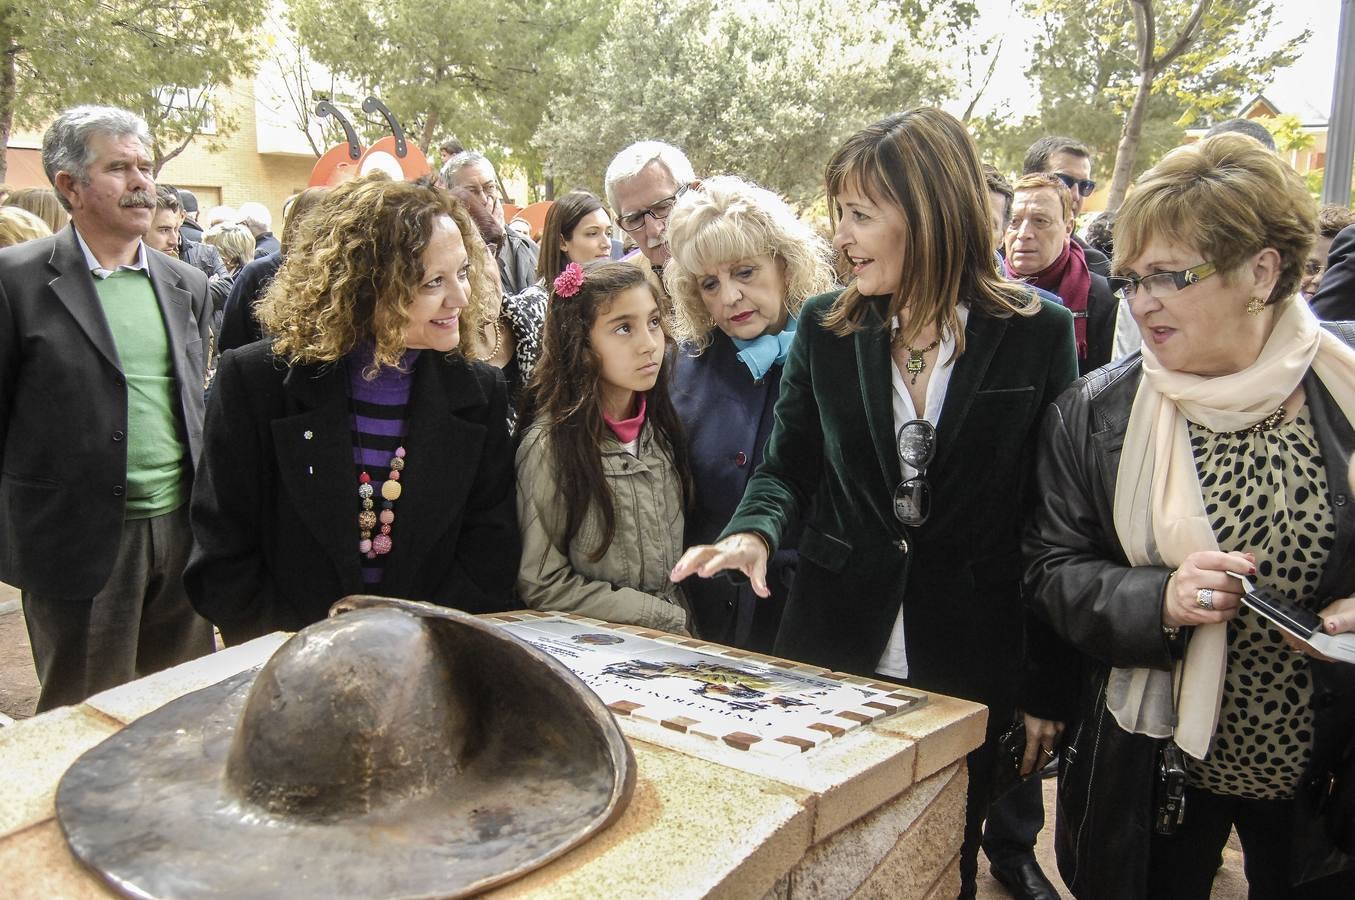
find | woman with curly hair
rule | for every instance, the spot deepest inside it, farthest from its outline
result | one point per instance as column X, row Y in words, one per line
column 742, row 265
column 358, row 450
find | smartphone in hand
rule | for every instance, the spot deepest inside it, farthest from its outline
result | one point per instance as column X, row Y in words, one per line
column 1293, row 619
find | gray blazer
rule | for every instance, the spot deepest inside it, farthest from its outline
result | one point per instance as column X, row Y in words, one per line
column 63, row 410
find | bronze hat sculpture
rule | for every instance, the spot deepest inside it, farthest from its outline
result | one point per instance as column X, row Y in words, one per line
column 395, row 750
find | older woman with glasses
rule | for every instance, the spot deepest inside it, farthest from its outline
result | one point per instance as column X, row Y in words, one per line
column 1220, row 453
column 904, row 436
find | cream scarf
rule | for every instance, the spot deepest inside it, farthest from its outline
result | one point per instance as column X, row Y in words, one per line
column 1159, row 510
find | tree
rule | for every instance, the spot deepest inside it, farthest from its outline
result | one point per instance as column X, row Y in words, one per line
column 1287, row 129
column 160, row 60
column 484, row 69
column 1085, row 67
column 298, row 83
column 764, row 90
column 1151, row 62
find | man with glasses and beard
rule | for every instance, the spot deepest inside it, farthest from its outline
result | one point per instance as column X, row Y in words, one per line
column 102, row 351
column 643, row 183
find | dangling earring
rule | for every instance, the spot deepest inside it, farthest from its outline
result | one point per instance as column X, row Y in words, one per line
column 1255, row 305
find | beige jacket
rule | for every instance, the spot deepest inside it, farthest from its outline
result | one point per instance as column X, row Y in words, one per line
column 629, row 585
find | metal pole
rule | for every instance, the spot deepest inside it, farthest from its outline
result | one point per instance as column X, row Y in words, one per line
column 1336, row 182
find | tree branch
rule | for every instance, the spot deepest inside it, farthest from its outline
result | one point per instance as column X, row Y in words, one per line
column 1187, row 35
column 1145, row 29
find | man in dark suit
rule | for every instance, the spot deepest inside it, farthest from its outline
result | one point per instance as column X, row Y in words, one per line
column 1335, row 297
column 1071, row 162
column 102, row 349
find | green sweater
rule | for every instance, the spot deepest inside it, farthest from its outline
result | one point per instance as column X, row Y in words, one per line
column 155, row 451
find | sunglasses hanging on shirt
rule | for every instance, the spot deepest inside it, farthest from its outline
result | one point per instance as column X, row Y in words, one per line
column 913, row 496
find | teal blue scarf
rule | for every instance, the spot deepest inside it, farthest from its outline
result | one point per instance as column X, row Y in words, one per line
column 761, row 353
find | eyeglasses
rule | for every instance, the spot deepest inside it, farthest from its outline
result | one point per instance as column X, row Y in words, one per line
column 1314, row 267
column 485, row 190
column 633, row 221
column 913, row 496
column 1084, row 186
column 1161, row 284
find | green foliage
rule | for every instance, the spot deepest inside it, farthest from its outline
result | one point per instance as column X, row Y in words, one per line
column 1085, row 70
column 480, row 69
column 1287, row 129
column 766, row 91
column 159, row 59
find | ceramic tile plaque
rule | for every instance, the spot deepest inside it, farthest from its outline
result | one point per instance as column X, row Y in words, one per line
column 749, row 702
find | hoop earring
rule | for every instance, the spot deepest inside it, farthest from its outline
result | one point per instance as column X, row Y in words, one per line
column 1255, row 305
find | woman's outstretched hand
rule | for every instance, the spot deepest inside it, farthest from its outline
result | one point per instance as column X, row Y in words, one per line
column 744, row 551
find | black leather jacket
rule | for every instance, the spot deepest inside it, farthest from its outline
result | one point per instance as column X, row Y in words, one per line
column 1078, row 579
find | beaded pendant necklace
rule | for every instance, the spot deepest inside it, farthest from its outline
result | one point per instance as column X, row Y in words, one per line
column 370, row 544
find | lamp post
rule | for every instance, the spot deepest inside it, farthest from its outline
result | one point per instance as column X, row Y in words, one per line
column 1336, row 182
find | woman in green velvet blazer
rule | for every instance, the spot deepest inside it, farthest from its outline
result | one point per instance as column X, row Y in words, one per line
column 929, row 332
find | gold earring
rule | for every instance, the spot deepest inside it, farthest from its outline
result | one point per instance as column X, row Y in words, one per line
column 1255, row 305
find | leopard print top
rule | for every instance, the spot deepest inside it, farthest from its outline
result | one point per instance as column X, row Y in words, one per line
column 1266, row 494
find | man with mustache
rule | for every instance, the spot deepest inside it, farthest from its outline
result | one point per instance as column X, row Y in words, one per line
column 102, row 351
column 643, row 183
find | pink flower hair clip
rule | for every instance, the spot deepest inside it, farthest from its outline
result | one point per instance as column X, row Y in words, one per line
column 568, row 282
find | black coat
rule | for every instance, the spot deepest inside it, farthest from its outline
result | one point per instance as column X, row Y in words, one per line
column 238, row 324
column 1335, row 299
column 204, row 257
column 63, row 410
column 832, row 459
column 1097, row 262
column 275, row 505
column 728, row 419
column 266, row 244
column 1079, row 580
column 1102, row 308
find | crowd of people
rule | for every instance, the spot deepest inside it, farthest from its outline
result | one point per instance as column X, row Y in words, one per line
column 955, row 444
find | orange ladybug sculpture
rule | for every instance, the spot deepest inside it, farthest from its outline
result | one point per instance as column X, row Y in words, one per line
column 392, row 154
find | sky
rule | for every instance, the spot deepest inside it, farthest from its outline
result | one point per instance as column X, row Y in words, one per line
column 1304, row 89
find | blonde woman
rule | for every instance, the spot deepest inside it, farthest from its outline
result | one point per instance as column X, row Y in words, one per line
column 904, row 438
column 19, row 225
column 742, row 266
column 43, row 203
column 235, row 243
column 359, row 450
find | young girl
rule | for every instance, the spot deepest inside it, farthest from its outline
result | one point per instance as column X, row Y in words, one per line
column 602, row 467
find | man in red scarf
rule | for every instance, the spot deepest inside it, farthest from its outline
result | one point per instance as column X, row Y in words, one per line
column 1040, row 251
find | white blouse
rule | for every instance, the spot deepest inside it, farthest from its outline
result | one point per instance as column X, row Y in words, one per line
column 894, row 660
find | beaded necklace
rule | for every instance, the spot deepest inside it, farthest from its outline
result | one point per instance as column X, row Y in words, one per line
column 370, row 545
column 374, row 528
